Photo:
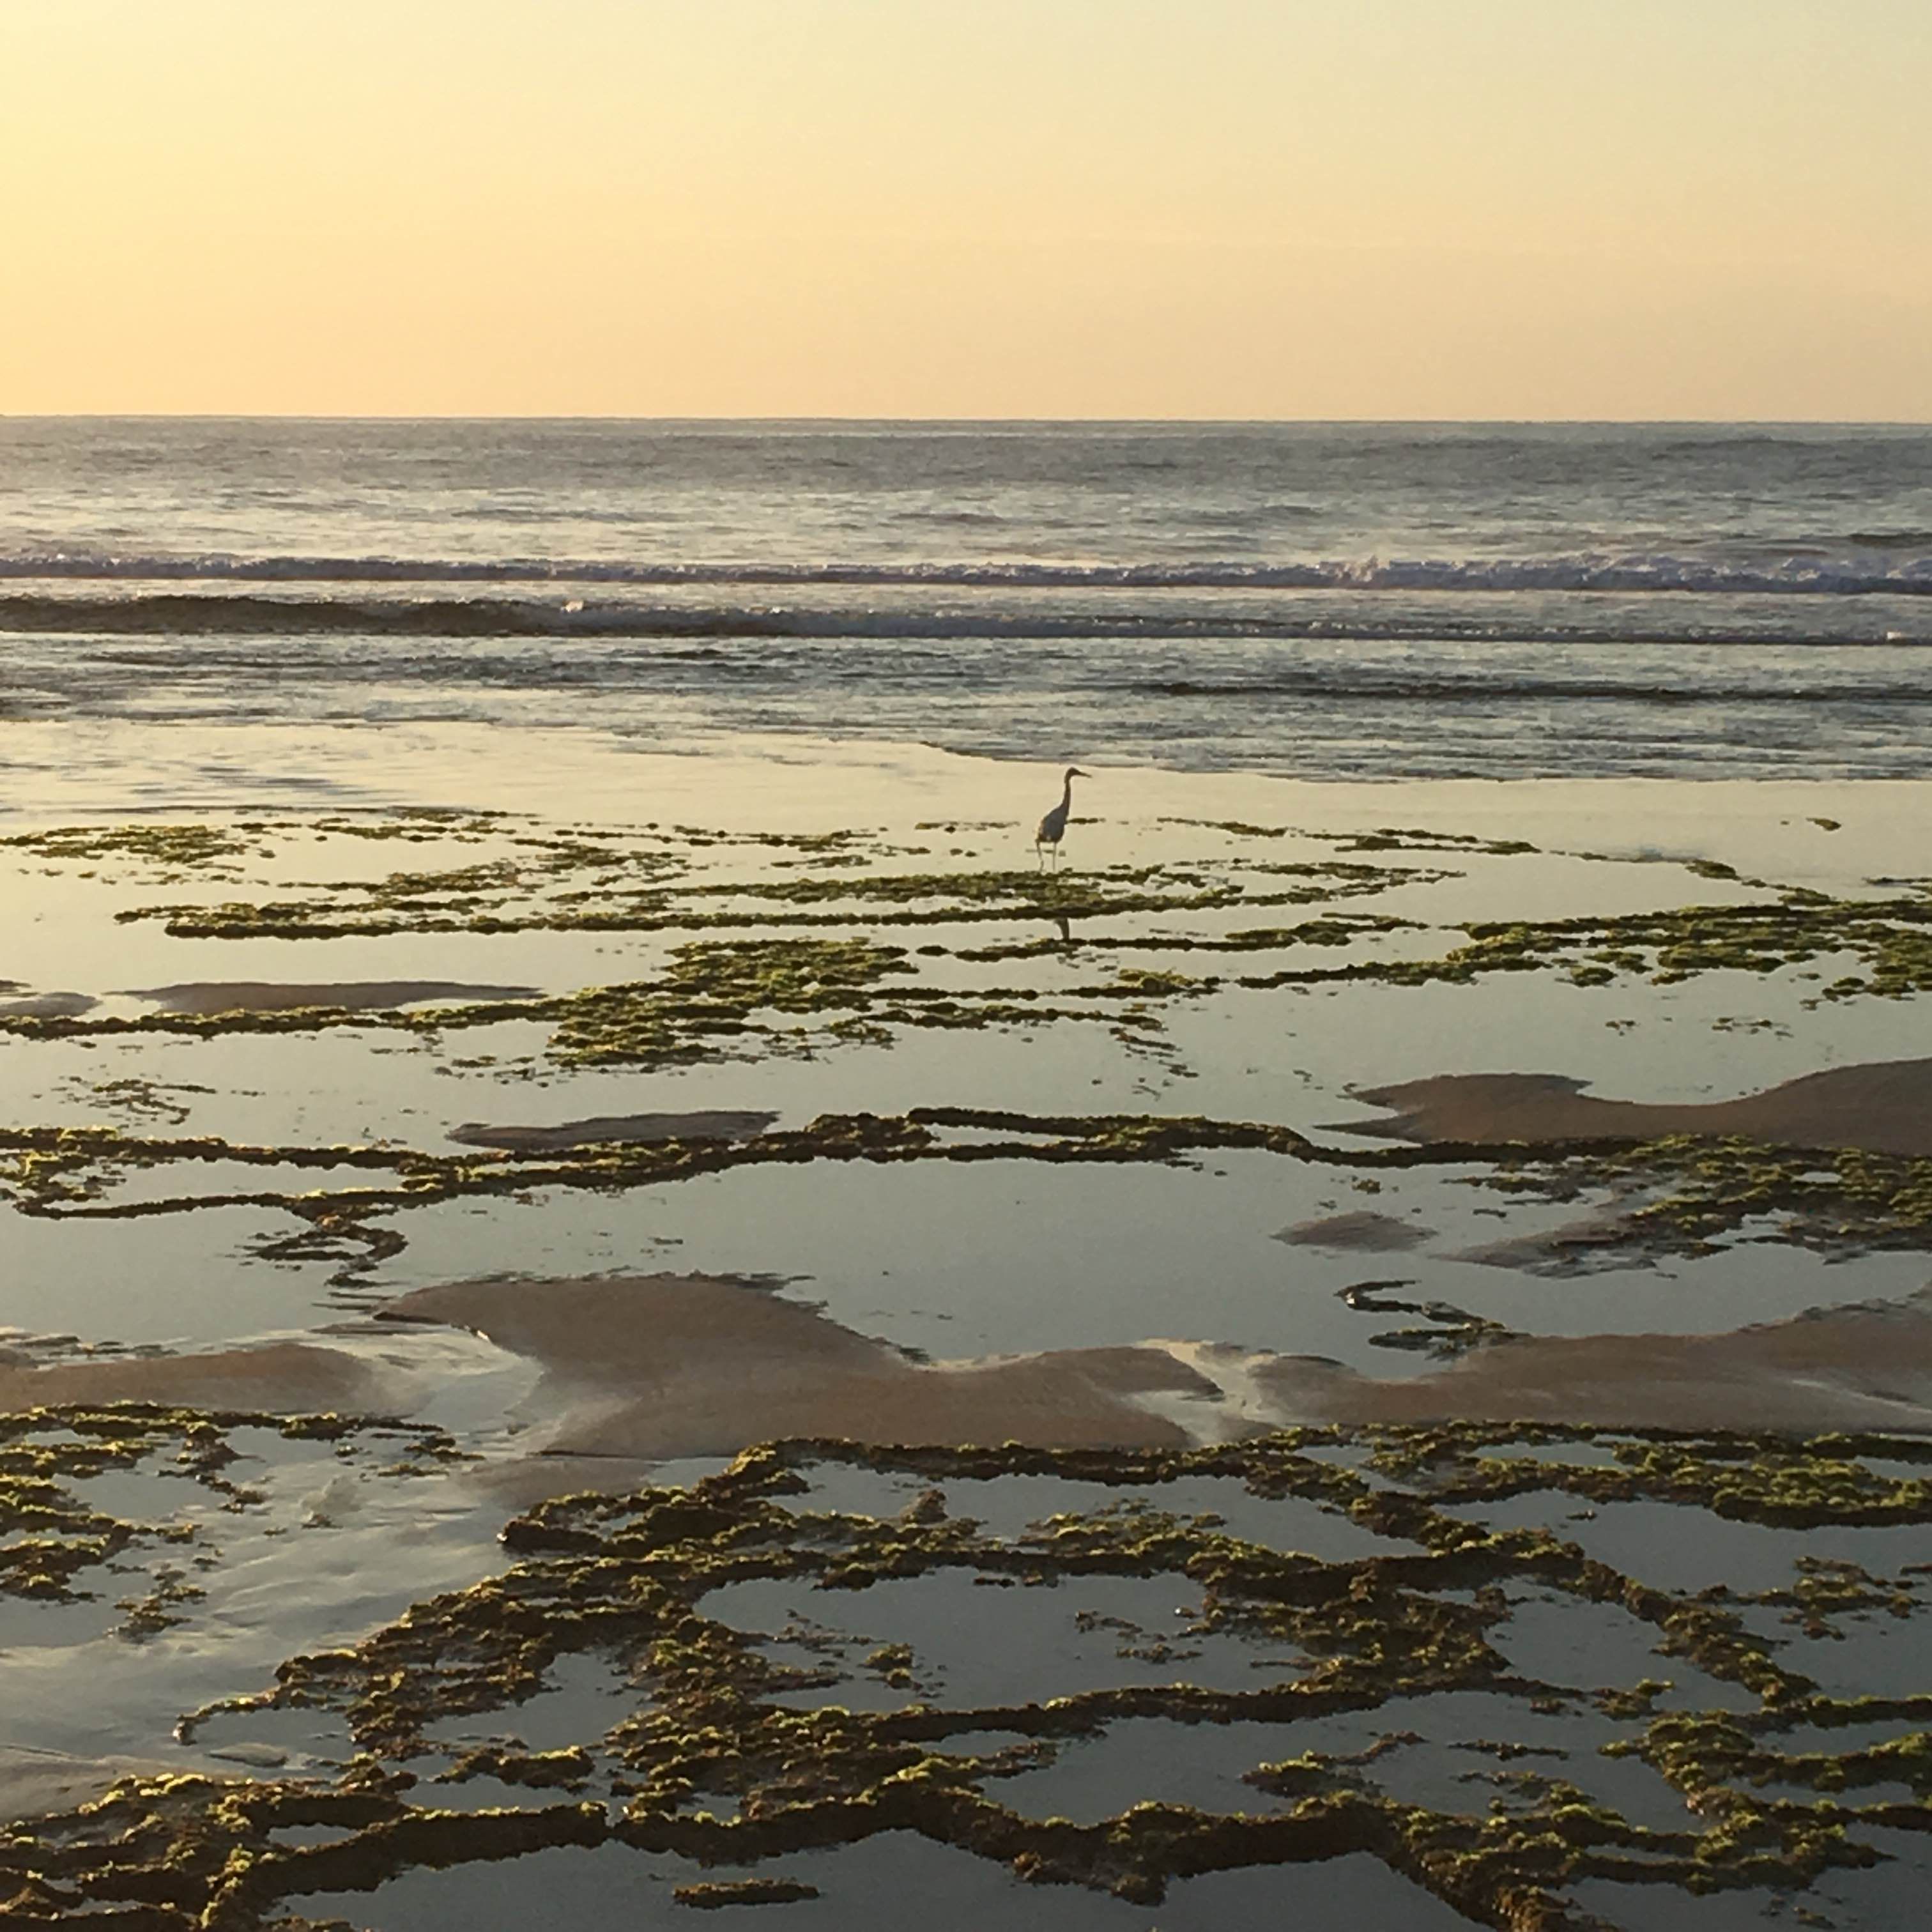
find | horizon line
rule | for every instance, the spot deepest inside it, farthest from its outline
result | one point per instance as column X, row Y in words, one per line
column 981, row 422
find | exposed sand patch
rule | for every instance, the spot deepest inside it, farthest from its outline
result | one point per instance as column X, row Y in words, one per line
column 264, row 996
column 34, row 1783
column 1868, row 1366
column 1598, row 1240
column 716, row 1125
column 659, row 1367
column 1885, row 1106
column 1364, row 1232
column 47, row 1006
column 662, row 1366
column 282, row 1377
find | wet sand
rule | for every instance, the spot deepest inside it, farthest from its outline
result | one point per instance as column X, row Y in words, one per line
column 717, row 1124
column 34, row 1783
column 676, row 1366
column 284, row 1377
column 1843, row 1369
column 1885, row 1107
column 1362, row 1232
column 664, row 1367
column 47, row 1006
column 202, row 997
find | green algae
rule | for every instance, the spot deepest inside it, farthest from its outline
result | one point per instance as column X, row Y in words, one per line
column 178, row 850
column 802, row 960
column 1336, row 929
column 1413, row 839
column 1888, row 941
column 1702, row 1188
column 713, row 1895
column 569, row 1768
column 1383, row 838
column 54, row 1171
column 51, row 1539
column 163, row 1608
column 484, row 899
column 711, row 1000
column 134, row 1098
column 1773, row 1480
column 1446, row 1332
column 645, row 880
column 708, row 991
column 1831, row 1200
column 711, row 1765
column 52, row 1536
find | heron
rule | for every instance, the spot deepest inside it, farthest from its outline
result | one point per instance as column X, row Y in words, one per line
column 1053, row 827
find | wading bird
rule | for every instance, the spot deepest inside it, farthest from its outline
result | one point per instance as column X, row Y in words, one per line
column 1053, row 827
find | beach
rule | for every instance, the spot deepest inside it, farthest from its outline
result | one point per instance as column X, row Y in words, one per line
column 653, row 1312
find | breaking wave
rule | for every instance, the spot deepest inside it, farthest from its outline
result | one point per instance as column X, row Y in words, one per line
column 192, row 614
column 1403, row 687
column 1799, row 574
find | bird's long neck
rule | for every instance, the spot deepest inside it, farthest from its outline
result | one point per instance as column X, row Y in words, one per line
column 1067, row 794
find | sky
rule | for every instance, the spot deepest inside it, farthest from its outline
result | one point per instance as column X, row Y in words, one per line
column 1638, row 209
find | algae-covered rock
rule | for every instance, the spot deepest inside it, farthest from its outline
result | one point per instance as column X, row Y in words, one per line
column 726, row 1753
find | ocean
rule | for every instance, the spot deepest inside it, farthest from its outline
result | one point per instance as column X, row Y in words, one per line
column 1320, row 600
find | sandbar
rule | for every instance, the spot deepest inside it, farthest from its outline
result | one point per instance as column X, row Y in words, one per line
column 1865, row 1366
column 717, row 1124
column 1883, row 1106
column 48, row 1007
column 36, row 1784
column 662, row 1366
column 659, row 1366
column 1363, row 1232
column 263, row 996
column 279, row 1376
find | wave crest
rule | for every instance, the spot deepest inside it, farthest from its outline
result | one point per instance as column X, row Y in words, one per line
column 1804, row 574
column 192, row 614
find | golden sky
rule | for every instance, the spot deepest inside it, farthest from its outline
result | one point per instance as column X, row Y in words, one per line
column 1334, row 208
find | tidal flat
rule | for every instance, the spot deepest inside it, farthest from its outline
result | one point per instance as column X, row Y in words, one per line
column 1355, row 1353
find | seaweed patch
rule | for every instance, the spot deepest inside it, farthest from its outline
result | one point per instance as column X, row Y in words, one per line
column 52, row 1542
column 723, row 1753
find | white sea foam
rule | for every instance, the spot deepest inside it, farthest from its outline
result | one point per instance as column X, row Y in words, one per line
column 1802, row 572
